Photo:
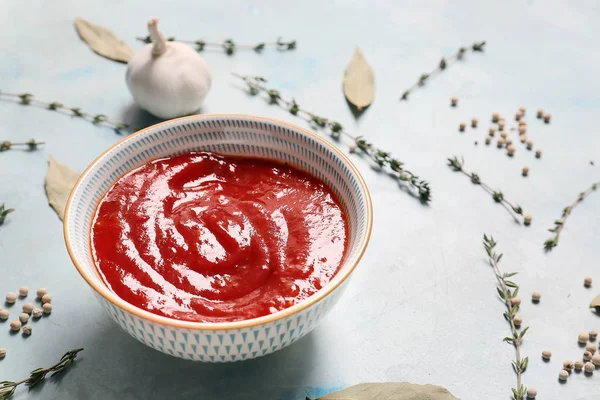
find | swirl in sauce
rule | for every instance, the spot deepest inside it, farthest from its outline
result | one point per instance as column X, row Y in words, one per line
column 210, row 238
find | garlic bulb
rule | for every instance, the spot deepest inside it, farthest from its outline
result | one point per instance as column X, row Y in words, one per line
column 167, row 79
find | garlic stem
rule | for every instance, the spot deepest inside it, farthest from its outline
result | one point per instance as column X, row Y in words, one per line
column 160, row 44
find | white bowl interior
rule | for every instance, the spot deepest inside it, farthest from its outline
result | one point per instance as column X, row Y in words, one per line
column 224, row 134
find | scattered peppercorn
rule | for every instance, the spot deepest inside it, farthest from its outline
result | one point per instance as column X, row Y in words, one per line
column 591, row 348
column 46, row 298
column 503, row 134
column 495, row 117
column 41, row 292
column 589, row 367
column 492, row 131
column 27, row 330
column 522, row 110
column 488, row 140
column 474, row 122
column 547, row 117
column 2, row 352
column 536, row 296
column 11, row 297
column 593, row 335
column 596, row 360
column 563, row 375
column 501, row 124
column 522, row 129
column 352, row 149
column 530, row 145
column 462, row 126
column 500, row 143
column 28, row 308
column 578, row 365
column 527, row 219
column 525, row 171
column 510, row 149
column 518, row 320
column 515, row 301
column 523, row 138
column 538, row 153
column 47, row 307
column 531, row 393
column 583, row 337
column 23, row 291
column 508, row 142
column 546, row 354
column 518, row 116
column 15, row 325
column 453, row 101
column 540, row 113
column 4, row 314
column 587, row 282
column 23, row 317
column 587, row 356
column 37, row 312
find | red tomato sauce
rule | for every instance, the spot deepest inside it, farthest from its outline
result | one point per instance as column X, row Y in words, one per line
column 210, row 238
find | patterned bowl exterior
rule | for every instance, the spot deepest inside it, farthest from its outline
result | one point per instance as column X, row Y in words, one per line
column 226, row 134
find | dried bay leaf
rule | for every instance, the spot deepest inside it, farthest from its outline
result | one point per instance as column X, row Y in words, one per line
column 391, row 391
column 60, row 179
column 595, row 303
column 359, row 81
column 103, row 41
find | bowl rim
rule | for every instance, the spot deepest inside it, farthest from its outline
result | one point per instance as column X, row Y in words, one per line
column 111, row 297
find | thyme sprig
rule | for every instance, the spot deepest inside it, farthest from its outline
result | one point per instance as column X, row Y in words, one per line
column 28, row 99
column 32, row 145
column 506, row 294
column 4, row 212
column 229, row 46
column 38, row 375
column 498, row 196
column 382, row 158
column 442, row 65
column 560, row 223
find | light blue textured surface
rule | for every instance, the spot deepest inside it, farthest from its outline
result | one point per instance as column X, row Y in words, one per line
column 421, row 307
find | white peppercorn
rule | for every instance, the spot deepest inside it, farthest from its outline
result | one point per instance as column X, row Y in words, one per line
column 587, row 282
column 4, row 314
column 568, row 365
column 578, row 365
column 15, row 325
column 546, row 354
column 591, row 348
column 583, row 337
column 352, row 149
column 518, row 320
column 515, row 301
column 593, row 334
column 547, row 117
column 2, row 352
column 23, row 317
column 27, row 330
column 462, row 126
column 453, row 101
column 538, row 153
column 587, row 356
column 525, row 171
column 28, row 308
column 536, row 296
column 529, row 145
column 495, row 117
column 510, row 149
column 589, row 367
column 523, row 138
column 531, row 393
column 503, row 134
column 41, row 292
column 522, row 129
column 47, row 298
column 47, row 307
column 540, row 113
column 596, row 360
column 518, row 116
column 488, row 140
column 37, row 312
column 474, row 122
column 500, row 143
column 563, row 375
column 527, row 219
column 492, row 131
column 23, row 291
column 11, row 297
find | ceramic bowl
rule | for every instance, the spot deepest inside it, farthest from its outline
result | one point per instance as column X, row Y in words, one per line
column 234, row 135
